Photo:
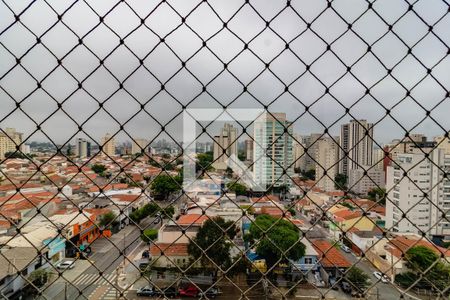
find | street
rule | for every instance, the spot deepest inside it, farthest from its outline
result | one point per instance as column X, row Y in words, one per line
column 84, row 280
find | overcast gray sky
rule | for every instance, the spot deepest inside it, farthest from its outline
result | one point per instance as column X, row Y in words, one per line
column 268, row 47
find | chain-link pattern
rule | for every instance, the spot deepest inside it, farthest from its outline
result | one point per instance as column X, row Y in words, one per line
column 84, row 68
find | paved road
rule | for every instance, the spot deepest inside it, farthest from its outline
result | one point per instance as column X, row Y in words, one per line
column 85, row 276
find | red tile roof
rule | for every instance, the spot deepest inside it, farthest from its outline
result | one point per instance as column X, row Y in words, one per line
column 274, row 211
column 266, row 198
column 126, row 197
column 329, row 256
column 190, row 219
column 401, row 244
column 178, row 249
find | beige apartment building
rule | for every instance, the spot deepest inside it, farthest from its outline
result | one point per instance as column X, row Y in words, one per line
column 9, row 139
column 138, row 145
column 109, row 145
column 225, row 146
column 327, row 156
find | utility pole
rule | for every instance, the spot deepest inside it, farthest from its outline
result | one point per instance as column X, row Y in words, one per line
column 65, row 290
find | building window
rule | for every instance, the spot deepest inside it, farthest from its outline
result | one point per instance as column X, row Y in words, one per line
column 308, row 261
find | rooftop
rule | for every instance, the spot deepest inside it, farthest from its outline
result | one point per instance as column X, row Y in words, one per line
column 329, row 256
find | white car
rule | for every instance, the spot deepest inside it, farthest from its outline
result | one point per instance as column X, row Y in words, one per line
column 67, row 264
column 345, row 248
column 380, row 276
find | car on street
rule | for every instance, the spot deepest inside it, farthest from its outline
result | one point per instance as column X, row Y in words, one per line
column 191, row 290
column 144, row 266
column 346, row 288
column 147, row 291
column 210, row 293
column 66, row 264
column 381, row 276
column 167, row 292
column 345, row 248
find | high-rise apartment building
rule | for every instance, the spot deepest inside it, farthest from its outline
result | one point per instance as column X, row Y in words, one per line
column 225, row 145
column 9, row 140
column 443, row 142
column 82, row 148
column 356, row 143
column 138, row 145
column 378, row 158
column 109, row 145
column 248, row 150
column 307, row 155
column 272, row 150
column 366, row 178
column 423, row 195
column 299, row 151
column 326, row 156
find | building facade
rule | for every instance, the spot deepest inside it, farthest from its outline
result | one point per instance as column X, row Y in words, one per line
column 82, row 148
column 356, row 143
column 327, row 151
column 109, row 145
column 9, row 140
column 272, row 150
column 423, row 195
column 360, row 183
column 139, row 146
column 225, row 146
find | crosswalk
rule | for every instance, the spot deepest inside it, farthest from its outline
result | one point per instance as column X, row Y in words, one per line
column 95, row 279
column 111, row 294
column 107, row 293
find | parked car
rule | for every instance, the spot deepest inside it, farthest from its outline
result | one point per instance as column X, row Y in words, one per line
column 66, row 264
column 192, row 291
column 381, row 276
column 148, row 291
column 167, row 292
column 345, row 248
column 333, row 283
column 346, row 288
column 189, row 290
column 144, row 266
column 210, row 293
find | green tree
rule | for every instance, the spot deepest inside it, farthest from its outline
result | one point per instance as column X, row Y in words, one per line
column 238, row 188
column 310, row 174
column 39, row 277
column 420, row 258
column 69, row 150
column 215, row 237
column 16, row 154
column 108, row 219
column 340, row 182
column 377, row 194
column 357, row 278
column 164, row 185
column 168, row 211
column 276, row 240
column 149, row 235
column 98, row 168
column 204, row 161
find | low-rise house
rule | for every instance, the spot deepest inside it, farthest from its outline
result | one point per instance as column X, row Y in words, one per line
column 330, row 258
column 399, row 245
column 169, row 255
column 364, row 240
column 15, row 261
column 309, row 261
column 172, row 233
column 345, row 220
